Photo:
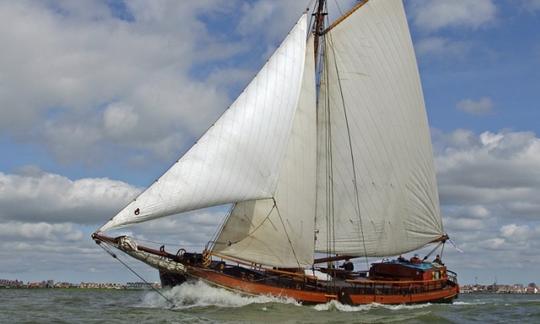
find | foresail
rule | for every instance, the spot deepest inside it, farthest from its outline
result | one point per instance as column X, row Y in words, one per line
column 375, row 164
column 279, row 231
column 238, row 158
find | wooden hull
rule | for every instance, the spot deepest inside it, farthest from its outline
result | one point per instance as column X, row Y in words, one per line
column 346, row 288
column 344, row 294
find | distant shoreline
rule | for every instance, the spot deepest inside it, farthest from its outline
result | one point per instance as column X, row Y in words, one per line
column 50, row 284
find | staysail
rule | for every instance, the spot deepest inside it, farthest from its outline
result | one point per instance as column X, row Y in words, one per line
column 376, row 187
column 279, row 231
column 239, row 157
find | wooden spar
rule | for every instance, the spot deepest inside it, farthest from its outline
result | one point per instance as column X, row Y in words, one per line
column 334, row 258
column 116, row 240
column 442, row 239
column 347, row 14
column 319, row 26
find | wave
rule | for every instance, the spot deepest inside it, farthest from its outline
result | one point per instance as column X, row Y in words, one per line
column 467, row 303
column 200, row 294
column 335, row 305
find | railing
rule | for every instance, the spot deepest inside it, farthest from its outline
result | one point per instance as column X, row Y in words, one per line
column 452, row 276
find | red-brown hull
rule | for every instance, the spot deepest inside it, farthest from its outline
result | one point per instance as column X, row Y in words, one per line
column 446, row 294
column 406, row 286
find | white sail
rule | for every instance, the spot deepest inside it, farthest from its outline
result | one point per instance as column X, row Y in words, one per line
column 371, row 111
column 279, row 231
column 239, row 157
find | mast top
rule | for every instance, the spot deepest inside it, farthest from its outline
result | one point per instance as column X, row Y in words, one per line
column 318, row 27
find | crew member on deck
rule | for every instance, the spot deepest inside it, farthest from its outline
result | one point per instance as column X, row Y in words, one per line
column 438, row 260
column 347, row 265
column 401, row 258
column 416, row 259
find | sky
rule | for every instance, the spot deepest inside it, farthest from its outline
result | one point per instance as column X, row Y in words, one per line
column 99, row 98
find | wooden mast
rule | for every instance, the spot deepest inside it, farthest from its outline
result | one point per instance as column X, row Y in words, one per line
column 319, row 26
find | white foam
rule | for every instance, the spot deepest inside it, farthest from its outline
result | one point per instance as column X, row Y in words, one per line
column 467, row 303
column 199, row 294
column 335, row 305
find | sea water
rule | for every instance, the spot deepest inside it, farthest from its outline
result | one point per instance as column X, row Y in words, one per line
column 199, row 303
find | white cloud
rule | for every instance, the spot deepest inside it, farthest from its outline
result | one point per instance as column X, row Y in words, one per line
column 441, row 47
column 119, row 119
column 506, row 162
column 45, row 221
column 489, row 185
column 39, row 231
column 84, row 84
column 431, row 15
column 477, row 212
column 61, row 62
column 44, row 197
column 464, row 224
column 515, row 232
column 482, row 106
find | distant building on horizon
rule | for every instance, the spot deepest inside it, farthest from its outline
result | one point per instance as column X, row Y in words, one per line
column 6, row 283
column 142, row 285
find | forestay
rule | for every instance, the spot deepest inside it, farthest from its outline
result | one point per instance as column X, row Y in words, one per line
column 371, row 111
column 279, row 231
column 239, row 157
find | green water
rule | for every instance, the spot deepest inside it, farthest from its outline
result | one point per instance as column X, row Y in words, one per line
column 198, row 303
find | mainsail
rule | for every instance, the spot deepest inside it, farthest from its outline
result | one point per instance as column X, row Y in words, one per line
column 239, row 157
column 351, row 173
column 377, row 194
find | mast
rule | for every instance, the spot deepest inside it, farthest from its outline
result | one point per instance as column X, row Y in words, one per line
column 319, row 25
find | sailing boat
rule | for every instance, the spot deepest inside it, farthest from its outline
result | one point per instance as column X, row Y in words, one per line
column 325, row 153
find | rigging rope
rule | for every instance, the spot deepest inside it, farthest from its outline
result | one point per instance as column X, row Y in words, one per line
column 433, row 250
column 442, row 250
column 111, row 253
column 213, row 239
column 339, row 8
column 287, row 234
